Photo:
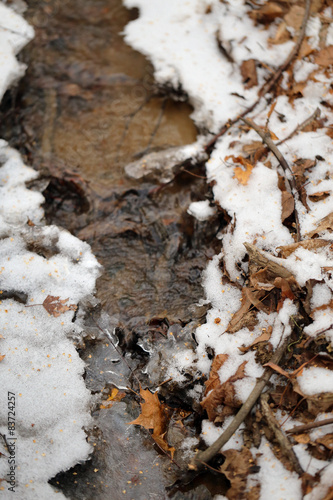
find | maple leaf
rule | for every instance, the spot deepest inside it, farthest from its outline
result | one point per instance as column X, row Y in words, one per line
column 152, row 415
column 55, row 307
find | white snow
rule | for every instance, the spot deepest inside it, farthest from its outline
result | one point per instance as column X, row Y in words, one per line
column 42, row 389
column 180, row 40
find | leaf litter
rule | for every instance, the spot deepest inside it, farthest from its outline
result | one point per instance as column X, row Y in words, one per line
column 271, row 286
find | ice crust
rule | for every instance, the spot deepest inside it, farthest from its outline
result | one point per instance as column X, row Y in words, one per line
column 41, row 366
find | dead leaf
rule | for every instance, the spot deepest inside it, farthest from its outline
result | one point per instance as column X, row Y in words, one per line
column 302, row 438
column 326, row 440
column 323, row 225
column 223, row 394
column 239, row 173
column 324, row 57
column 315, row 197
column 277, row 369
column 267, row 13
column 287, row 250
column 282, row 34
column 249, row 73
column 295, row 17
column 152, row 415
column 214, row 379
column 2, row 356
column 241, row 317
column 236, row 468
column 264, row 337
column 116, row 395
column 55, row 307
column 288, row 205
column 286, row 292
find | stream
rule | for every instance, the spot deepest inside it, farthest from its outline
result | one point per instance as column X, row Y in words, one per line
column 87, row 106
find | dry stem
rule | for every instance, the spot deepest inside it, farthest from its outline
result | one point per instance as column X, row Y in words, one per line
column 205, row 456
column 266, row 138
column 268, row 86
column 311, row 425
column 282, row 439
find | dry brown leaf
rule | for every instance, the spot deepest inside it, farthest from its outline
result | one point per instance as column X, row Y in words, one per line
column 325, row 224
column 295, row 17
column 286, row 291
column 302, row 438
column 223, row 394
column 152, row 414
column 325, row 56
column 239, row 173
column 262, row 280
column 288, row 205
column 162, row 443
column 237, row 321
column 319, row 196
column 326, row 440
column 277, row 369
column 264, row 337
column 267, row 13
column 55, row 307
column 214, row 379
column 282, row 34
column 2, row 356
column 287, row 250
column 236, row 468
column 249, row 73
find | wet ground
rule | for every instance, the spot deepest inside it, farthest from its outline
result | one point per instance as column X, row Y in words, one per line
column 87, row 106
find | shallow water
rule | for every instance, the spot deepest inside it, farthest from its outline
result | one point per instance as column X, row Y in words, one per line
column 87, row 106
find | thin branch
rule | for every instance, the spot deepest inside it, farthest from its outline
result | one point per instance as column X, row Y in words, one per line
column 300, row 127
column 307, row 427
column 282, row 439
column 205, row 456
column 266, row 138
column 268, row 86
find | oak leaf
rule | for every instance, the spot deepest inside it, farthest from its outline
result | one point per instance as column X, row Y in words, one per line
column 55, row 306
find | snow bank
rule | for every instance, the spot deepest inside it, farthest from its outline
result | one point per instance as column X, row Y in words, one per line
column 200, row 46
column 44, row 402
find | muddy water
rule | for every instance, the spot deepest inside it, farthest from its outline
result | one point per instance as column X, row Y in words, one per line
column 87, row 106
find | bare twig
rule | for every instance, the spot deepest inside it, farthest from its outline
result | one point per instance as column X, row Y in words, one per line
column 206, row 455
column 311, row 425
column 300, row 127
column 282, row 439
column 268, row 86
column 266, row 138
